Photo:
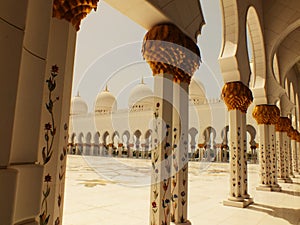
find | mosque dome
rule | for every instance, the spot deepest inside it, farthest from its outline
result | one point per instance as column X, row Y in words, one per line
column 197, row 92
column 78, row 106
column 140, row 97
column 105, row 102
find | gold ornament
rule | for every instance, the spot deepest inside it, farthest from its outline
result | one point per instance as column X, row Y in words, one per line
column 73, row 10
column 237, row 96
column 298, row 136
column 168, row 50
column 283, row 124
column 293, row 134
column 266, row 114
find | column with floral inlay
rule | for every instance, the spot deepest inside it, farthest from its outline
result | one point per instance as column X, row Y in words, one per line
column 237, row 98
column 266, row 117
column 173, row 58
column 282, row 141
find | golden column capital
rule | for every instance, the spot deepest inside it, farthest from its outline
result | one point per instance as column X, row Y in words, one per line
column 237, row 96
column 293, row 134
column 298, row 136
column 266, row 114
column 168, row 50
column 283, row 124
column 73, row 10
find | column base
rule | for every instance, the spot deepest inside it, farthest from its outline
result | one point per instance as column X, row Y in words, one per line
column 263, row 187
column 239, row 204
column 282, row 180
column 276, row 188
column 288, row 180
column 185, row 223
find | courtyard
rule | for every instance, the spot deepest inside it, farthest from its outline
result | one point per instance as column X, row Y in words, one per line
column 116, row 191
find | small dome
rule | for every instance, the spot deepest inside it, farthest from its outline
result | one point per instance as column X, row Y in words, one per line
column 197, row 92
column 141, row 97
column 105, row 102
column 78, row 106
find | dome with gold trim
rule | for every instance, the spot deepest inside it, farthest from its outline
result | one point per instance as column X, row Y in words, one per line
column 140, row 97
column 105, row 102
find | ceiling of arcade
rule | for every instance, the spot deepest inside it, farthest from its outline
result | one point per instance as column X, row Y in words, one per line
column 282, row 34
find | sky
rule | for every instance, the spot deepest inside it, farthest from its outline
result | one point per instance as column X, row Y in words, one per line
column 108, row 51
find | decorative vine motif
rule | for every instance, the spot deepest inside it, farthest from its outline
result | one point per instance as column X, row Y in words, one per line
column 62, row 170
column 174, row 196
column 155, row 158
column 165, row 201
column 47, row 151
column 50, row 129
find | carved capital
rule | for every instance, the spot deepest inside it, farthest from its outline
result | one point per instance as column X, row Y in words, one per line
column 237, row 96
column 73, row 10
column 168, row 50
column 298, row 137
column 283, row 124
column 266, row 114
column 293, row 134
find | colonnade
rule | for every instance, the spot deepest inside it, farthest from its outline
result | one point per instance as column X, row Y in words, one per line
column 37, row 56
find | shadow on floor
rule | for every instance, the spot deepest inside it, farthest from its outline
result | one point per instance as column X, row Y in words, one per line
column 294, row 193
column 290, row 215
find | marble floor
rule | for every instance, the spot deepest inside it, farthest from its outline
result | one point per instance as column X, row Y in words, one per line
column 116, row 191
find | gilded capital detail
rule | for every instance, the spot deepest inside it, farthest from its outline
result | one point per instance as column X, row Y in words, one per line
column 168, row 50
column 293, row 134
column 266, row 114
column 283, row 124
column 237, row 96
column 298, row 137
column 73, row 10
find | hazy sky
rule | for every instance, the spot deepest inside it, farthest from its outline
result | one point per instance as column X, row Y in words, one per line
column 108, row 51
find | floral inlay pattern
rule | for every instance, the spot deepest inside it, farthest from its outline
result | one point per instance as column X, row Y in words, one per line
column 47, row 150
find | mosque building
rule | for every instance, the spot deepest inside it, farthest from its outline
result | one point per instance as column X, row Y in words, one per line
column 109, row 131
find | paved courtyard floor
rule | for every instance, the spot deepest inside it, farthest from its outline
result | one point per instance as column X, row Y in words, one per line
column 116, row 191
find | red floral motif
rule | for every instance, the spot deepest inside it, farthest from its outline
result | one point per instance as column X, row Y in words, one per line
column 154, row 205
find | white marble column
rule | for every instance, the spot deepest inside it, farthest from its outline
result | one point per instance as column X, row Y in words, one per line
column 282, row 149
column 172, row 56
column 294, row 157
column 273, row 159
column 290, row 154
column 179, row 189
column 237, row 97
column 161, row 154
column 55, row 118
column 298, row 152
column 267, row 116
column 120, row 149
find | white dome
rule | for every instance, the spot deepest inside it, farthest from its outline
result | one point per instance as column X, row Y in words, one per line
column 197, row 92
column 141, row 97
column 105, row 102
column 78, row 106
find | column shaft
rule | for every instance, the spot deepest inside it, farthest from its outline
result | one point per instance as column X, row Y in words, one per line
column 55, row 118
column 160, row 207
column 237, row 97
column 273, row 159
column 264, row 157
column 179, row 187
column 294, row 156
